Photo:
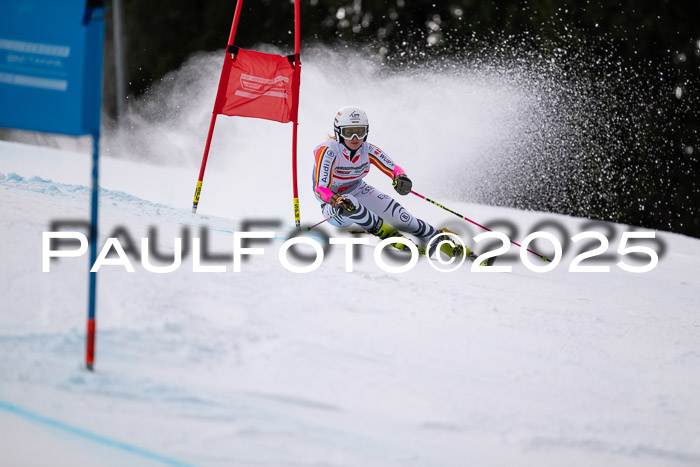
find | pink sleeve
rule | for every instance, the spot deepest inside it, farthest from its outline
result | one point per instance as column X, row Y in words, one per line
column 398, row 171
column 324, row 193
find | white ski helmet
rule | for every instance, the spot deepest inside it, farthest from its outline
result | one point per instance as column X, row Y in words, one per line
column 349, row 122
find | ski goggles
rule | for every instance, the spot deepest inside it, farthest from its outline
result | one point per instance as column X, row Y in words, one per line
column 348, row 132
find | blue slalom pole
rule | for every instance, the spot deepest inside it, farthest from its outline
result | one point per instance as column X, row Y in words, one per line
column 90, row 337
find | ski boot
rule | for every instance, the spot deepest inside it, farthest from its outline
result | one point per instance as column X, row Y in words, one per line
column 457, row 251
column 384, row 230
column 451, row 248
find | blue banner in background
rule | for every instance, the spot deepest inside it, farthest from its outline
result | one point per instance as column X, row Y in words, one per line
column 51, row 65
column 51, row 82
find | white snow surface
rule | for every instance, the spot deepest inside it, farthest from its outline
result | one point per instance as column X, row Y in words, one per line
column 266, row 367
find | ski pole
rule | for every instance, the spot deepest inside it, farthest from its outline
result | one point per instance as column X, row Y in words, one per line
column 475, row 223
column 324, row 220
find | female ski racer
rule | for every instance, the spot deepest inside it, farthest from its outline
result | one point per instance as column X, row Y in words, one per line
column 342, row 162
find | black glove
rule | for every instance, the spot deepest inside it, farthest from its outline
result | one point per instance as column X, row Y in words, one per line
column 402, row 184
column 343, row 204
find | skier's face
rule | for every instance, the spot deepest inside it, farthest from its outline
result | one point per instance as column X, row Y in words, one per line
column 353, row 143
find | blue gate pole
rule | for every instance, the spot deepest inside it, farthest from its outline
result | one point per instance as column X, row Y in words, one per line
column 90, row 340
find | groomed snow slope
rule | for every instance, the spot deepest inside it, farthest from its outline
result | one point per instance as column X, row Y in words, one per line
column 332, row 368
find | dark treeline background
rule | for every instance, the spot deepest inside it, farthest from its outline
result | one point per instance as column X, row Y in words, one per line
column 652, row 182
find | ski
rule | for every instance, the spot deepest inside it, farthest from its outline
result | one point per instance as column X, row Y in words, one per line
column 424, row 253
